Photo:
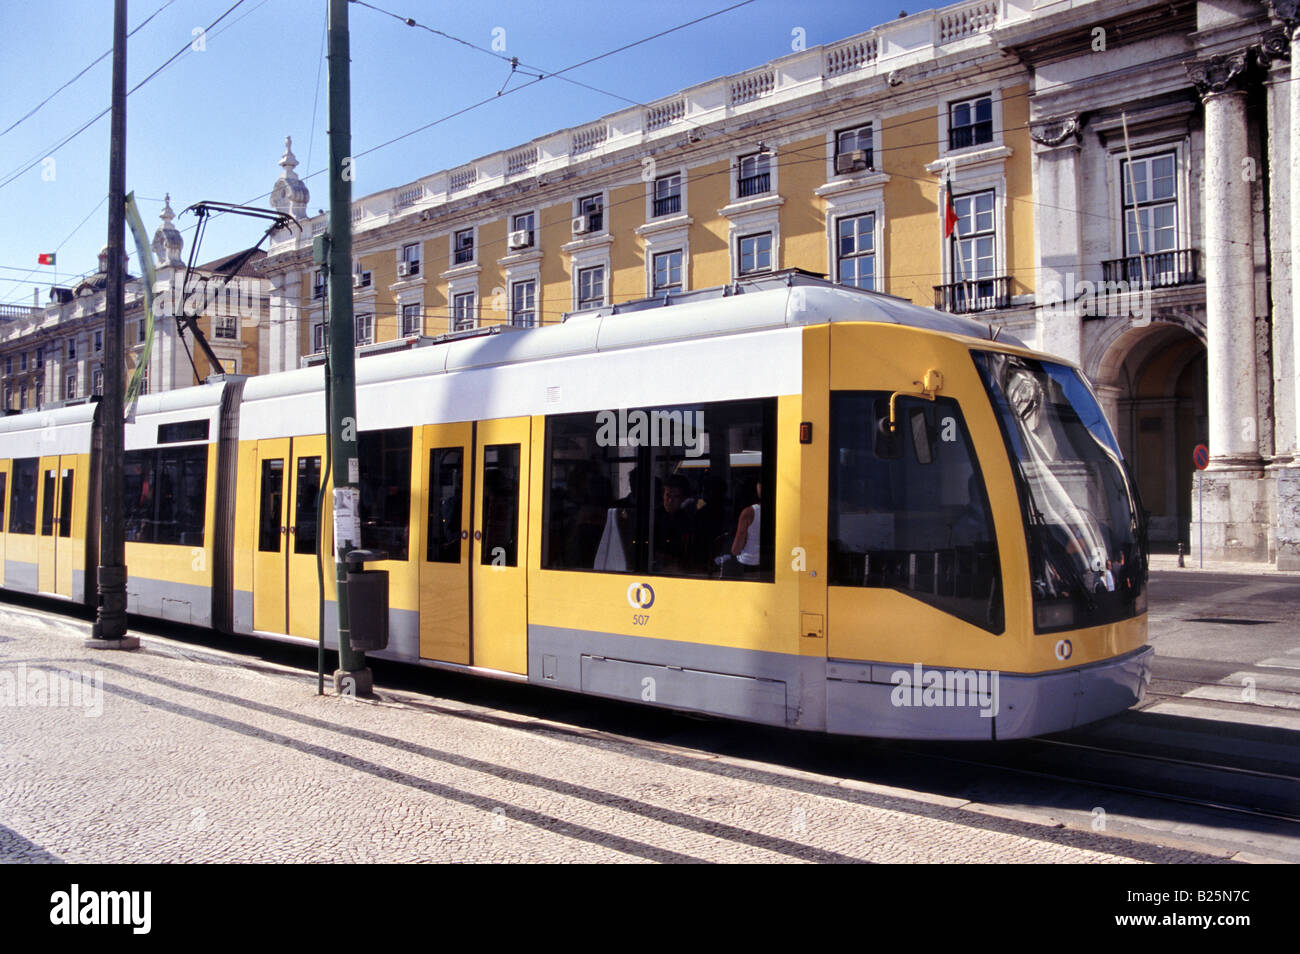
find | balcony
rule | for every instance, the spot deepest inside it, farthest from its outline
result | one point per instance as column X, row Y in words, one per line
column 668, row 205
column 753, row 185
column 977, row 294
column 1169, row 269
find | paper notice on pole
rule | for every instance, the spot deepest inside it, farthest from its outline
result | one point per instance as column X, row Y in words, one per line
column 354, row 472
column 347, row 521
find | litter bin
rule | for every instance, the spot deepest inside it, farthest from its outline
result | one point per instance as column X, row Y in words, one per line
column 367, row 602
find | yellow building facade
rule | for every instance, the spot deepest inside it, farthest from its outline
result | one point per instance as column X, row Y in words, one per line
column 835, row 160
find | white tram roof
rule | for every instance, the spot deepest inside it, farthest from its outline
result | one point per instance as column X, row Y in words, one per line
column 45, row 431
column 693, row 324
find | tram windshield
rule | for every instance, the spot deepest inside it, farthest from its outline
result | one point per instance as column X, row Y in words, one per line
column 1087, row 539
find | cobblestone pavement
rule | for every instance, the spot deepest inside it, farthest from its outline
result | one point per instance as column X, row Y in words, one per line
column 191, row 754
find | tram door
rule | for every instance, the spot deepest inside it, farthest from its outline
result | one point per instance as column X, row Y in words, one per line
column 499, row 545
column 301, row 502
column 285, row 592
column 58, row 477
column 445, row 563
column 4, row 514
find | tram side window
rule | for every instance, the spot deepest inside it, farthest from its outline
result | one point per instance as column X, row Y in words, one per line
column 908, row 507
column 22, row 506
column 500, row 505
column 663, row 490
column 271, row 506
column 445, row 480
column 166, row 495
column 385, row 470
column 47, row 503
column 307, row 493
column 4, row 498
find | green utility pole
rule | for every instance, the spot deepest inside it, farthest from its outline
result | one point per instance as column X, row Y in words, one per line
column 110, row 622
column 352, row 676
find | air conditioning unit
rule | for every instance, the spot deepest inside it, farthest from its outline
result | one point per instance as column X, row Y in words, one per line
column 403, row 269
column 521, row 238
column 853, row 161
column 356, row 280
column 581, row 225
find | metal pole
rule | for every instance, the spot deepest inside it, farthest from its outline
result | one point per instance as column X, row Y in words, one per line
column 353, row 676
column 1200, row 515
column 110, row 623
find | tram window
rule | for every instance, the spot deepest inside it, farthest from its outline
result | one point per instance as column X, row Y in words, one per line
column 165, row 492
column 178, row 432
column 500, row 505
column 909, row 511
column 4, row 498
column 22, row 506
column 446, row 470
column 65, row 505
column 663, row 490
column 306, row 489
column 271, row 506
column 385, row 466
column 47, row 503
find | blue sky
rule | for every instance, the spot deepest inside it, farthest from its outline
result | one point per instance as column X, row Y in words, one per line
column 212, row 124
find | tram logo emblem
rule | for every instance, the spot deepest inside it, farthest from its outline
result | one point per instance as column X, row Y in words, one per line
column 641, row 596
column 1064, row 649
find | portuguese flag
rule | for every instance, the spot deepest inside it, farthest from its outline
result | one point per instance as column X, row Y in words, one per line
column 45, row 258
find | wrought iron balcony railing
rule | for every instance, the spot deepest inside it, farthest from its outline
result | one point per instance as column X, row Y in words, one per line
column 976, row 294
column 1180, row 266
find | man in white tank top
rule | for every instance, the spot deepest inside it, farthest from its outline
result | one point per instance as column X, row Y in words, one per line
column 748, row 528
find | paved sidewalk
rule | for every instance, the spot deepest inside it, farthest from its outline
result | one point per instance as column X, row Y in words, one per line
column 186, row 754
column 1169, row 561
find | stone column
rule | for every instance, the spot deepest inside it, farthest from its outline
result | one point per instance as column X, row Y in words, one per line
column 1288, row 479
column 1237, row 524
column 1229, row 265
column 1058, row 236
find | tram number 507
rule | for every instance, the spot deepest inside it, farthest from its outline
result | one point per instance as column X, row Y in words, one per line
column 640, row 619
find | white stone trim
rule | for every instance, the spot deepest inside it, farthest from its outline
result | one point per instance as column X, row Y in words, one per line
column 862, row 197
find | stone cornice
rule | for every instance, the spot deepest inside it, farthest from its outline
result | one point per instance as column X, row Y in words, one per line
column 1288, row 11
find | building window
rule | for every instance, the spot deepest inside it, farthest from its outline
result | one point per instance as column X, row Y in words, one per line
column 365, row 329
column 9, row 397
column 756, row 253
column 9, row 364
column 72, row 349
column 412, row 320
column 462, row 311
column 523, row 304
column 226, row 326
column 411, row 258
column 853, row 149
column 975, row 238
column 97, row 381
column 318, row 283
column 22, row 361
column 22, row 398
column 1150, row 205
column 591, row 287
column 99, row 341
column 144, row 379
column 668, row 272
column 40, row 358
column 360, row 277
column 463, row 247
column 592, row 207
column 668, row 195
column 521, row 230
column 70, row 387
column 755, row 176
column 318, row 338
column 140, row 330
column 970, row 122
column 856, row 251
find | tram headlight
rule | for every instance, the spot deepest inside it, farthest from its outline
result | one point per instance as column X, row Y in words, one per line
column 1053, row 615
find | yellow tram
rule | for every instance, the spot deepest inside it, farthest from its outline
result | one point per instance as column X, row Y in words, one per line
column 786, row 502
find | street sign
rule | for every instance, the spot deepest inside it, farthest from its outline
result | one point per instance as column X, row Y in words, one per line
column 1201, row 456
